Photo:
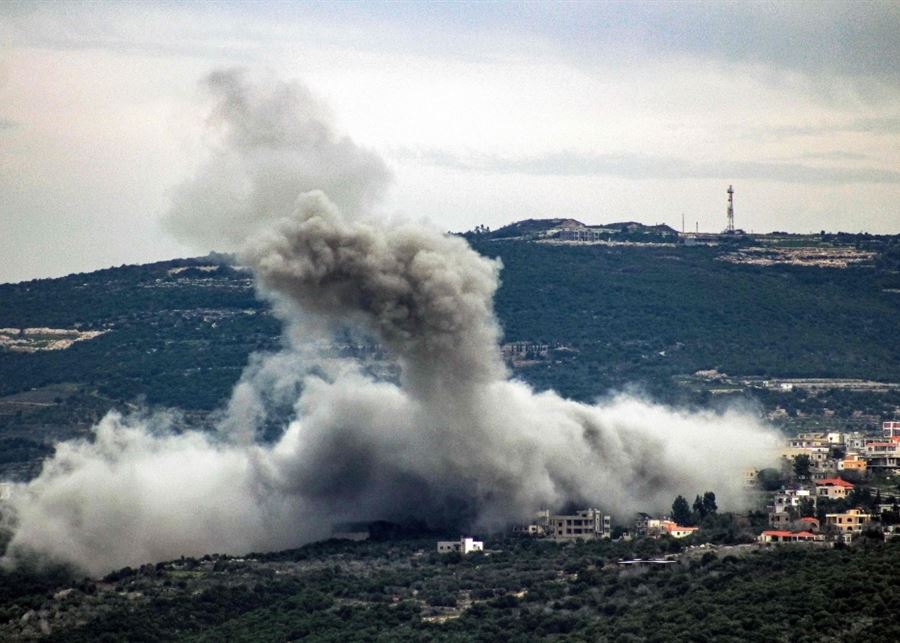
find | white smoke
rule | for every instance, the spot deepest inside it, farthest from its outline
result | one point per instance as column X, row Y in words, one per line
column 268, row 142
column 454, row 441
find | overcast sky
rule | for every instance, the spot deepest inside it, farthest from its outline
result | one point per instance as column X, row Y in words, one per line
column 484, row 112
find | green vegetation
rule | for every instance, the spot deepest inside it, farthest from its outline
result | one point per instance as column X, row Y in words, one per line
column 179, row 333
column 521, row 590
column 645, row 315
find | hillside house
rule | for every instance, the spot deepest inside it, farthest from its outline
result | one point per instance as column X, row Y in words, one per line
column 833, row 488
column 751, row 477
column 852, row 463
column 587, row 524
column 882, row 456
column 891, row 431
column 808, row 441
column 463, row 546
column 779, row 536
column 677, row 531
column 656, row 527
column 853, row 521
column 855, row 442
column 809, row 523
column 791, row 498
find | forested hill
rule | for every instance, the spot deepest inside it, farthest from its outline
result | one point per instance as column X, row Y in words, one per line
column 587, row 318
column 644, row 314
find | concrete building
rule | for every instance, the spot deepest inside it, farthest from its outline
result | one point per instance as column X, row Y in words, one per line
column 587, row 524
column 882, row 456
column 463, row 546
column 819, row 458
column 677, row 531
column 852, row 463
column 808, row 441
column 855, row 442
column 751, row 477
column 656, row 527
column 833, row 488
column 791, row 498
column 779, row 536
column 853, row 521
column 891, row 431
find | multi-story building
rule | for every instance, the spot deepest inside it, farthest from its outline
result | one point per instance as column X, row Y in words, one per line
column 882, row 456
column 855, row 442
column 891, row 431
column 852, row 521
column 751, row 477
column 586, row 524
column 791, row 498
column 833, row 488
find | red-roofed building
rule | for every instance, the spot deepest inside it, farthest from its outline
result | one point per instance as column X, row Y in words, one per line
column 677, row 531
column 810, row 523
column 833, row 488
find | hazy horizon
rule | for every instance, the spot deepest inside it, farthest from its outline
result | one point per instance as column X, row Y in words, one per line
column 483, row 113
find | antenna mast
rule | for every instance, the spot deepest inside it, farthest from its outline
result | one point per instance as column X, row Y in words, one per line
column 730, row 228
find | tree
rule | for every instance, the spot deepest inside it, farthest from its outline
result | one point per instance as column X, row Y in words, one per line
column 802, row 465
column 709, row 503
column 807, row 508
column 681, row 511
column 770, row 480
column 699, row 509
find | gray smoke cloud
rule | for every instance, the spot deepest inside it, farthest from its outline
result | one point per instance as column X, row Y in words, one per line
column 453, row 440
column 267, row 142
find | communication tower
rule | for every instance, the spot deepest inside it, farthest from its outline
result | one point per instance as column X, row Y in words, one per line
column 730, row 228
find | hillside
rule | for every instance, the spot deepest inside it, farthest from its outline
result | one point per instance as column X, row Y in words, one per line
column 520, row 590
column 581, row 318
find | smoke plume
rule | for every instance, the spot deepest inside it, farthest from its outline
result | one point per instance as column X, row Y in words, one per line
column 268, row 141
column 453, row 441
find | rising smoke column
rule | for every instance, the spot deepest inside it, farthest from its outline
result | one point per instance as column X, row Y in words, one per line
column 268, row 142
column 463, row 441
column 454, row 442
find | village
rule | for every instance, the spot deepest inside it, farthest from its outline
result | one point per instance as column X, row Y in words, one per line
column 830, row 489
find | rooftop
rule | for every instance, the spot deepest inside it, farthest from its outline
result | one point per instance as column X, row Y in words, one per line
column 834, row 482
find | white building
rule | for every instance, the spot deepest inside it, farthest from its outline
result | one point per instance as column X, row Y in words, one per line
column 787, row 498
column 463, row 546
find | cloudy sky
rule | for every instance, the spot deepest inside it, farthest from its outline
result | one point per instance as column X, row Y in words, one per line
column 484, row 113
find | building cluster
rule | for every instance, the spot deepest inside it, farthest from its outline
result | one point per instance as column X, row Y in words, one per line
column 821, row 466
column 831, row 453
column 584, row 524
column 648, row 526
column 593, row 524
column 823, row 498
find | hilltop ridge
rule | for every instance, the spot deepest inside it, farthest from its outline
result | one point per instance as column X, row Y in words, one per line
column 584, row 318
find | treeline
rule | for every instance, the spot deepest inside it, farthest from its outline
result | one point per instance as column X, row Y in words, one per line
column 522, row 590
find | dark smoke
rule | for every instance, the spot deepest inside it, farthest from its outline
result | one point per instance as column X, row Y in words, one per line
column 454, row 442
